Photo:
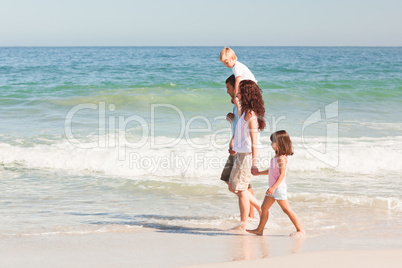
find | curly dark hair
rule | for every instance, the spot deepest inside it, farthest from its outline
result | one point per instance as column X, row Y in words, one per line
column 251, row 100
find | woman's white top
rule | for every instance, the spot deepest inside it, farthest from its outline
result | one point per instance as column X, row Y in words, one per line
column 242, row 138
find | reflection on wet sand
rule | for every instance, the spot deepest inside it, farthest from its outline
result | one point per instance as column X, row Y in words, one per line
column 248, row 247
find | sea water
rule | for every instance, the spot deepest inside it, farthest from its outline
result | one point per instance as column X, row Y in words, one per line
column 98, row 139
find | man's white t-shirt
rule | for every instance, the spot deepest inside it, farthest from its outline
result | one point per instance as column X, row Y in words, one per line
column 239, row 69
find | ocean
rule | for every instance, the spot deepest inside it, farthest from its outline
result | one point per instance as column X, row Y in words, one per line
column 105, row 139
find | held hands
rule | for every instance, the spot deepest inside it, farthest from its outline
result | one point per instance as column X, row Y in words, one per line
column 271, row 191
column 255, row 171
column 229, row 117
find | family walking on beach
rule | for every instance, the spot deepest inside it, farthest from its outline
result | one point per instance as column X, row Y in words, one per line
column 247, row 121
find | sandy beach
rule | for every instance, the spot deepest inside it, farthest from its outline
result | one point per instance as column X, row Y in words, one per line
column 184, row 248
column 328, row 259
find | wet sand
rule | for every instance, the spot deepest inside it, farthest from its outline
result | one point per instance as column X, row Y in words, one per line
column 167, row 248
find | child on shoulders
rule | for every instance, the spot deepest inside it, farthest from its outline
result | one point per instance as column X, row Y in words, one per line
column 241, row 72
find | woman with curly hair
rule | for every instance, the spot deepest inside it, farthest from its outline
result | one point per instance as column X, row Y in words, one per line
column 251, row 110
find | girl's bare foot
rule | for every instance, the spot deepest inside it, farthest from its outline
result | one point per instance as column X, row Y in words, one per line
column 256, row 232
column 298, row 233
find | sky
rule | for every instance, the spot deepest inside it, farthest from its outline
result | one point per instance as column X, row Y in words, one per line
column 200, row 23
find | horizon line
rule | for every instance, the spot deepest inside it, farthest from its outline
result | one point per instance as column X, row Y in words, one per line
column 65, row 46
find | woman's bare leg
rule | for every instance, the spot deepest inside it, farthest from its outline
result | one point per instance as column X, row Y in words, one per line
column 244, row 205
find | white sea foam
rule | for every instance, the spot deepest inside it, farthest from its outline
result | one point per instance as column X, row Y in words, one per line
column 78, row 230
column 375, row 125
column 345, row 200
column 355, row 155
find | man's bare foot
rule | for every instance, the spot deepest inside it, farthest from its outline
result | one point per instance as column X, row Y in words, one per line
column 256, row 232
column 298, row 233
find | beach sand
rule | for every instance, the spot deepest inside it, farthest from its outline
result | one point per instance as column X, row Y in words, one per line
column 183, row 248
column 330, row 259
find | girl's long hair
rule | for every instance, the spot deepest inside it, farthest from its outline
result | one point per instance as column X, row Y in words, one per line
column 283, row 142
column 251, row 100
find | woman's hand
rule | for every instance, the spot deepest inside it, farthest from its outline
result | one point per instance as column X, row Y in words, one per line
column 255, row 171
